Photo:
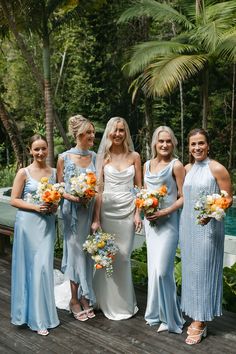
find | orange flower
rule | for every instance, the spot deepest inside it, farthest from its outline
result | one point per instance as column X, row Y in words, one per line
column 222, row 203
column 51, row 196
column 155, row 202
column 91, row 178
column 89, row 193
column 162, row 190
column 99, row 266
column 139, row 203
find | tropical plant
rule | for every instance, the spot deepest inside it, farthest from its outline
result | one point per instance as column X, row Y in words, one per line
column 203, row 33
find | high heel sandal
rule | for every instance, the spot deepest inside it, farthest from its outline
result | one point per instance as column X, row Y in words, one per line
column 90, row 312
column 43, row 332
column 80, row 316
column 195, row 338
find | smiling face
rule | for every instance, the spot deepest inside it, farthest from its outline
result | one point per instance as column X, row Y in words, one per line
column 86, row 139
column 164, row 145
column 198, row 147
column 39, row 150
column 118, row 134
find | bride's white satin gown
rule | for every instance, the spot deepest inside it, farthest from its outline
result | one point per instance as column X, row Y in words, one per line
column 115, row 295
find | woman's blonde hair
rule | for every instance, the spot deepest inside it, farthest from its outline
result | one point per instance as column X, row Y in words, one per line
column 156, row 133
column 110, row 128
column 78, row 125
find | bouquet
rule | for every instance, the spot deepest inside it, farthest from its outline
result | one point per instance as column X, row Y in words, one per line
column 103, row 249
column 84, row 185
column 47, row 193
column 149, row 201
column 211, row 206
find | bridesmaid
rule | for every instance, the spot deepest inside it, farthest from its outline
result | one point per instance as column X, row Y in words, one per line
column 162, row 239
column 119, row 168
column 76, row 264
column 32, row 295
column 202, row 246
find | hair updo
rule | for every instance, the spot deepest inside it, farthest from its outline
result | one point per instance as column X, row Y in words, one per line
column 78, row 125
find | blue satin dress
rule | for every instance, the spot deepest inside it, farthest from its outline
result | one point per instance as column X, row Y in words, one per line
column 77, row 265
column 32, row 290
column 162, row 241
column 202, row 249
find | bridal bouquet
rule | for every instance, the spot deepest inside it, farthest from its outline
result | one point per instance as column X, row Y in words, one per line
column 211, row 206
column 103, row 249
column 84, row 185
column 149, row 201
column 47, row 193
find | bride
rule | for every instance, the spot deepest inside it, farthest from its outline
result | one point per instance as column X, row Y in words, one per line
column 119, row 169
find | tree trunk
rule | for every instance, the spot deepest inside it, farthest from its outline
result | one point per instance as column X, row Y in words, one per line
column 205, row 103
column 48, row 97
column 148, row 127
column 13, row 134
column 181, row 119
column 31, row 64
column 231, row 150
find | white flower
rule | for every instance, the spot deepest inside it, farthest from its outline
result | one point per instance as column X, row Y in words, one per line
column 223, row 193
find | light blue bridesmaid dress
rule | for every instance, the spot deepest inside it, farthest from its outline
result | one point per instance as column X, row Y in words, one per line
column 32, row 291
column 77, row 265
column 162, row 240
column 202, row 249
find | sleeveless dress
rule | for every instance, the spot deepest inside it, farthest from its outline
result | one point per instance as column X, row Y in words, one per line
column 162, row 241
column 32, row 290
column 76, row 264
column 202, row 249
column 115, row 295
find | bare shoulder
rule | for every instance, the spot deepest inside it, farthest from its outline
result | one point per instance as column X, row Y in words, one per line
column 178, row 165
column 217, row 168
column 135, row 155
column 188, row 167
column 21, row 173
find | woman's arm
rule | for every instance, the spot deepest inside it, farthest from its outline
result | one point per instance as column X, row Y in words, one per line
column 96, row 224
column 138, row 183
column 179, row 174
column 222, row 178
column 16, row 195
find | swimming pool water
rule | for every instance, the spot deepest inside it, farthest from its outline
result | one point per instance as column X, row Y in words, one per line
column 230, row 222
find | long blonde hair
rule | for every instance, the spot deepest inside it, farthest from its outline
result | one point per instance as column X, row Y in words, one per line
column 78, row 125
column 163, row 128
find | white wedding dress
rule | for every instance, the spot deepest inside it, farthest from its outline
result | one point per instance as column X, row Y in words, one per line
column 115, row 295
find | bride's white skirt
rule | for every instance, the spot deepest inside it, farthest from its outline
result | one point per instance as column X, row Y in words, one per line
column 61, row 290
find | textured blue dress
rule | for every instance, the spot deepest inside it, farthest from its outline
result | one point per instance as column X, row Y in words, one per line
column 202, row 249
column 162, row 240
column 77, row 265
column 32, row 291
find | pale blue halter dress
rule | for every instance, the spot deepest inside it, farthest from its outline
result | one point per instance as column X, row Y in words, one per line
column 77, row 265
column 115, row 295
column 32, row 291
column 202, row 249
column 162, row 240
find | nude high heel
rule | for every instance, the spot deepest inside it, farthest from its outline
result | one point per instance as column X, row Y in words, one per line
column 196, row 338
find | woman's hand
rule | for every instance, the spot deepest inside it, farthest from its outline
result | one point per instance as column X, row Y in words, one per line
column 95, row 226
column 204, row 221
column 156, row 215
column 137, row 222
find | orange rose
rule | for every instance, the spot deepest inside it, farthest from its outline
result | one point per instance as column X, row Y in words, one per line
column 98, row 266
column 222, row 203
column 91, row 178
column 155, row 202
column 89, row 193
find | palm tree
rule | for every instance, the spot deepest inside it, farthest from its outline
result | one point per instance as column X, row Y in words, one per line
column 207, row 32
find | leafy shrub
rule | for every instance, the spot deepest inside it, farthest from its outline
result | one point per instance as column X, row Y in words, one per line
column 7, row 175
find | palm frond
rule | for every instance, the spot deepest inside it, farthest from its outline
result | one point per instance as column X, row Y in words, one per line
column 227, row 47
column 157, row 11
column 144, row 53
column 226, row 11
column 162, row 77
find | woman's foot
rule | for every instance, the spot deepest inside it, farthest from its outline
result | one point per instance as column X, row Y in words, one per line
column 89, row 310
column 196, row 331
column 162, row 328
column 77, row 312
column 43, row 332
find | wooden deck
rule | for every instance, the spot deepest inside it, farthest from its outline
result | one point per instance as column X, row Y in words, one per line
column 102, row 336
